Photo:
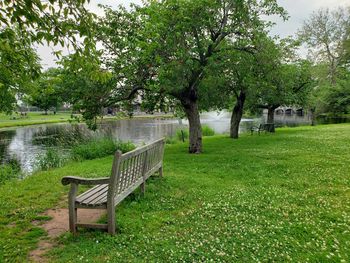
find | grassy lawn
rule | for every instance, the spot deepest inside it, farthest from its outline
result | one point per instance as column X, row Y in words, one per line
column 280, row 197
column 32, row 118
column 39, row 118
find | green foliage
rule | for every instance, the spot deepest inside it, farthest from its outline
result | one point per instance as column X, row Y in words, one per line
column 182, row 134
column 47, row 91
column 101, row 147
column 55, row 22
column 283, row 79
column 171, row 140
column 162, row 51
column 87, row 86
column 51, row 159
column 207, row 131
column 326, row 33
column 25, row 23
column 19, row 65
column 335, row 99
column 10, row 170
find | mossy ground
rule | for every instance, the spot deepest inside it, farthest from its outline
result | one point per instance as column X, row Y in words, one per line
column 273, row 197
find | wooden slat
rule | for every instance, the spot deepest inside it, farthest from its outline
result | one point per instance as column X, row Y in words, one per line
column 132, row 170
column 89, row 197
column 141, row 149
column 100, row 199
column 95, row 206
column 153, row 170
column 98, row 226
column 86, row 194
column 120, row 197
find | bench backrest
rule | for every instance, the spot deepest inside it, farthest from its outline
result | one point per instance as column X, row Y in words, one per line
column 131, row 169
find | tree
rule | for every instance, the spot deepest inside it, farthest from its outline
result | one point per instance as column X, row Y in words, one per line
column 233, row 79
column 290, row 86
column 334, row 99
column 19, row 65
column 162, row 51
column 86, row 85
column 242, row 76
column 325, row 34
column 46, row 91
column 23, row 23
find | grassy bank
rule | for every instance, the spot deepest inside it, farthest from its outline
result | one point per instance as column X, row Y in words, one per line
column 33, row 118
column 281, row 197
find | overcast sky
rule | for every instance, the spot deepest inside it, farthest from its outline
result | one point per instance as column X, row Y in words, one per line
column 298, row 10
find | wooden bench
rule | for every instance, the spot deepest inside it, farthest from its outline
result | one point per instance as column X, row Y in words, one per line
column 129, row 171
column 267, row 127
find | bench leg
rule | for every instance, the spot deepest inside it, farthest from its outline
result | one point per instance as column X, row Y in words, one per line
column 143, row 187
column 111, row 220
column 72, row 209
column 73, row 220
column 161, row 171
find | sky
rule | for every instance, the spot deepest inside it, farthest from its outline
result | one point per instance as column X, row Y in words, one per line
column 298, row 10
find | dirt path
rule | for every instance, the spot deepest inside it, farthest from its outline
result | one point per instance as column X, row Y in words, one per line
column 59, row 225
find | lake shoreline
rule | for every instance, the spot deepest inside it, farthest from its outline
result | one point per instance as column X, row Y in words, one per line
column 23, row 122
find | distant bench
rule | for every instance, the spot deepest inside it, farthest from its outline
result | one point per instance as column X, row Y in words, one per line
column 267, row 127
column 129, row 171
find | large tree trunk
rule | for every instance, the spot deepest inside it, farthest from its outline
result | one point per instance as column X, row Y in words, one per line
column 192, row 113
column 270, row 115
column 271, row 118
column 236, row 117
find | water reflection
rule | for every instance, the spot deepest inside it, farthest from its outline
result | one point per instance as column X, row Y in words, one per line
column 5, row 140
column 290, row 120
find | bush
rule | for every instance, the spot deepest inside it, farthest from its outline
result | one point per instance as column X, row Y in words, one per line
column 182, row 134
column 207, row 131
column 170, row 140
column 51, row 159
column 98, row 148
column 9, row 171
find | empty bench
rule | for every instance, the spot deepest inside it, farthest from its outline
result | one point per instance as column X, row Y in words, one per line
column 267, row 127
column 129, row 171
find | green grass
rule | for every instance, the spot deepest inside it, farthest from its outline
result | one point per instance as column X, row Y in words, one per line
column 32, row 118
column 279, row 197
column 9, row 171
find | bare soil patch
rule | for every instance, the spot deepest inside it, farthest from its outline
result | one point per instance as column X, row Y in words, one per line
column 58, row 225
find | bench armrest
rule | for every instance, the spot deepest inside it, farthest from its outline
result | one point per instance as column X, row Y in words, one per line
column 84, row 181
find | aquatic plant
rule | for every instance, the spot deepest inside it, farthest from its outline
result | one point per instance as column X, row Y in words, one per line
column 10, row 170
column 51, row 159
column 207, row 131
column 100, row 147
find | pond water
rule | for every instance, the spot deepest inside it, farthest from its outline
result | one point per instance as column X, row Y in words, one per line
column 26, row 144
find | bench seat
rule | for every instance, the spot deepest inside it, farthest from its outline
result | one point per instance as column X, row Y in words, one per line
column 94, row 197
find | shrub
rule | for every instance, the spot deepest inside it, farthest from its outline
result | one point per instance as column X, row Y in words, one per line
column 182, row 134
column 98, row 148
column 9, row 171
column 51, row 159
column 207, row 131
column 170, row 140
